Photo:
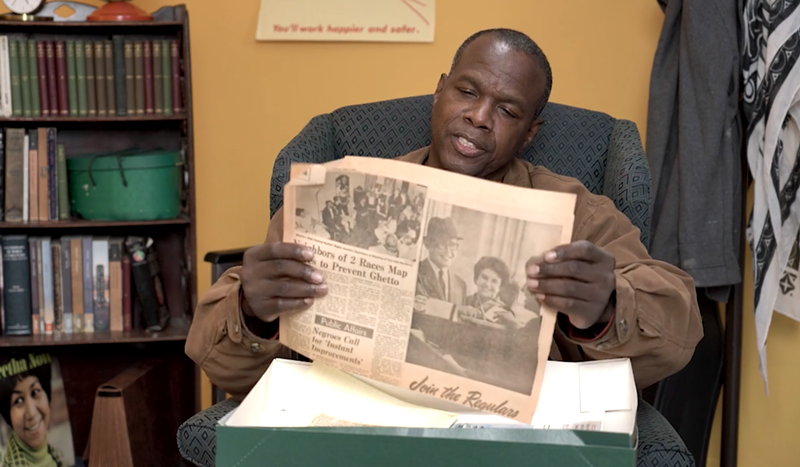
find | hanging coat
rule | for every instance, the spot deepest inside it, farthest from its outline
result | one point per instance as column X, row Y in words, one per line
column 694, row 142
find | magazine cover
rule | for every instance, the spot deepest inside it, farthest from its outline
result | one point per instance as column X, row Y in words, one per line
column 34, row 427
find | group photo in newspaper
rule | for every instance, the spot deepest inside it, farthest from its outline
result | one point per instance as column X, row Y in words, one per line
column 426, row 286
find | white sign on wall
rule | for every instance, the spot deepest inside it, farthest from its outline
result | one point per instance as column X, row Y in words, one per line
column 347, row 20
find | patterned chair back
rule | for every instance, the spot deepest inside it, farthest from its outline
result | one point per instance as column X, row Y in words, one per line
column 573, row 142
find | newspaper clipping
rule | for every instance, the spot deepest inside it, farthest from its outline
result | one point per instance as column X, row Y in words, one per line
column 426, row 275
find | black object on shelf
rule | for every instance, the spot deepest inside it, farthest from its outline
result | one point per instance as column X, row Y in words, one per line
column 149, row 286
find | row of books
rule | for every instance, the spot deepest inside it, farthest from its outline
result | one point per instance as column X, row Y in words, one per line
column 33, row 176
column 73, row 284
column 78, row 284
column 89, row 78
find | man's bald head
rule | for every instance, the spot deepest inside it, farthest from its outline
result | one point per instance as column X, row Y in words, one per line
column 520, row 42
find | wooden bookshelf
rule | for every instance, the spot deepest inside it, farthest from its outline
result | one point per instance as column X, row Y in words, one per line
column 125, row 119
column 47, row 25
column 88, row 360
column 86, row 224
column 175, row 332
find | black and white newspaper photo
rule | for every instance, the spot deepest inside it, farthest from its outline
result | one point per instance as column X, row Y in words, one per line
column 473, row 315
column 373, row 213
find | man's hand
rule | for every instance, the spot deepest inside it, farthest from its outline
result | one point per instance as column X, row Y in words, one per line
column 507, row 319
column 577, row 280
column 277, row 279
column 464, row 311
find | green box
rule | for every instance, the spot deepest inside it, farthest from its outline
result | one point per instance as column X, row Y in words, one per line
column 404, row 447
column 130, row 186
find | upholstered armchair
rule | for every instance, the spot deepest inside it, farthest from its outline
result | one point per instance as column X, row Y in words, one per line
column 602, row 152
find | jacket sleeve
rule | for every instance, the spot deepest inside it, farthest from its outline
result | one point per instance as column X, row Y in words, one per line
column 657, row 320
column 231, row 355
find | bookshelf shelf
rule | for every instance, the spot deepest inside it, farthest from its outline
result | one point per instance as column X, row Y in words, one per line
column 40, row 26
column 175, row 332
column 126, row 119
column 82, row 224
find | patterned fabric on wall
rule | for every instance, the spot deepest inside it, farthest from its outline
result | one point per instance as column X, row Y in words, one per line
column 573, row 142
column 771, row 76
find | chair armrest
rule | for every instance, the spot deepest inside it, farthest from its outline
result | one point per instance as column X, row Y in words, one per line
column 225, row 256
column 197, row 436
column 314, row 144
column 221, row 261
column 627, row 179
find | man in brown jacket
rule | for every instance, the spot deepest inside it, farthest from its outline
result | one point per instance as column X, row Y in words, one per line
column 613, row 299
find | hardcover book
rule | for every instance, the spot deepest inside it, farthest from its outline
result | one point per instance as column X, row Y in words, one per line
column 15, row 170
column 16, row 285
column 35, row 268
column 115, row 283
column 101, row 283
column 88, row 286
column 48, row 312
column 58, row 291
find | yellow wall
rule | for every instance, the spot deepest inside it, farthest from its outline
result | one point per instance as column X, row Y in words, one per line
column 767, row 424
column 252, row 98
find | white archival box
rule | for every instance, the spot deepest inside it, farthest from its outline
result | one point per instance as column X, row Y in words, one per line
column 594, row 396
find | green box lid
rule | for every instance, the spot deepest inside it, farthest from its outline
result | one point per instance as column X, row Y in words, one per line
column 130, row 160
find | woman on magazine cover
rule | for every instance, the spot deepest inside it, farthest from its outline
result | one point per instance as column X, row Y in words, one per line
column 25, row 406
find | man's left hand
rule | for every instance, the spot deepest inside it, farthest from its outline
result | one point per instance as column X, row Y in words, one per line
column 577, row 280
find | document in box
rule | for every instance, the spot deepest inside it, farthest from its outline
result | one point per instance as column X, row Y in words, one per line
column 294, row 394
column 426, row 273
column 298, row 394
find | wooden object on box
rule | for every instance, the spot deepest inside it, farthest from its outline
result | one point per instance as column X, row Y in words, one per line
column 134, row 419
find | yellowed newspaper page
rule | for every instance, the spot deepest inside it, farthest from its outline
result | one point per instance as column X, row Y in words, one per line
column 426, row 272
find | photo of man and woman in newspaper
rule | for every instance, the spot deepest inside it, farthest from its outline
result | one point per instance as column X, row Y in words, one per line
column 378, row 214
column 473, row 315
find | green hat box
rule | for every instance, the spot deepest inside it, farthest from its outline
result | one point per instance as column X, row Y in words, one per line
column 126, row 186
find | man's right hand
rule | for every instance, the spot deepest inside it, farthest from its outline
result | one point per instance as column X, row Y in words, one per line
column 420, row 303
column 465, row 311
column 278, row 279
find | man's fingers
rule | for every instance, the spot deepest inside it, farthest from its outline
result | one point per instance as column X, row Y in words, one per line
column 572, row 269
column 276, row 307
column 565, row 288
column 289, row 268
column 293, row 289
column 582, row 250
column 534, row 261
column 281, row 250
